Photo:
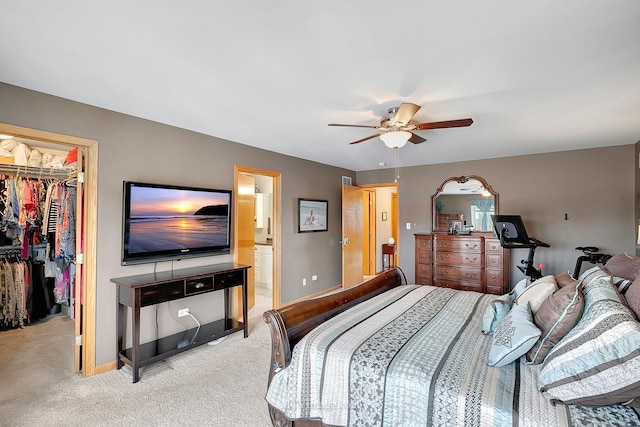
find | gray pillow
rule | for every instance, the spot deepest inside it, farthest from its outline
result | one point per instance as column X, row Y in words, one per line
column 557, row 315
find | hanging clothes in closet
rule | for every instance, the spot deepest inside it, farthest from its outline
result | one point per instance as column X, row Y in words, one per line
column 59, row 226
column 35, row 255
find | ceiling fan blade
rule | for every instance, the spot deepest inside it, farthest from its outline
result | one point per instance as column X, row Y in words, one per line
column 416, row 139
column 445, row 124
column 355, row 126
column 406, row 112
column 364, row 139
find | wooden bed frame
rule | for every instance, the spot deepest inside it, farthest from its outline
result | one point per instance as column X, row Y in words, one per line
column 289, row 324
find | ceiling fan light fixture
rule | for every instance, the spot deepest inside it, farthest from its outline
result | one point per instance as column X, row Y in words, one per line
column 395, row 139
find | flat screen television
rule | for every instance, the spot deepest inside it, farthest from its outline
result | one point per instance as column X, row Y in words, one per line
column 170, row 222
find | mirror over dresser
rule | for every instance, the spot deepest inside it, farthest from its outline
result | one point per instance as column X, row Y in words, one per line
column 462, row 252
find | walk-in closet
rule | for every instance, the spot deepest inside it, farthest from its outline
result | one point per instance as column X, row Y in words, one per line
column 39, row 226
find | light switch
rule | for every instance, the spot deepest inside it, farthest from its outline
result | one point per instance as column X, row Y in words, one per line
column 408, row 226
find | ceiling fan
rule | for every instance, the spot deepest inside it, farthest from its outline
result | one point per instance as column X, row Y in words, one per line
column 396, row 127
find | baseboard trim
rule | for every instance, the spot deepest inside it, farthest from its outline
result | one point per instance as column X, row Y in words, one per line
column 105, row 368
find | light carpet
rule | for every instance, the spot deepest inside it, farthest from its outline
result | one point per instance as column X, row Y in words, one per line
column 211, row 385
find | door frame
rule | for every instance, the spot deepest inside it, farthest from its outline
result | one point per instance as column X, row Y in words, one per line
column 369, row 251
column 85, row 326
column 277, row 230
column 395, row 211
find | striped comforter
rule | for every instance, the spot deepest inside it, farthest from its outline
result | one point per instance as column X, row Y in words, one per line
column 416, row 356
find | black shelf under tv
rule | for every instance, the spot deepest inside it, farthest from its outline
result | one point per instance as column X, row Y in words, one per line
column 150, row 289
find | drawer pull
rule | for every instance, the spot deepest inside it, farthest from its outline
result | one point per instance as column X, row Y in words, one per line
column 443, row 257
column 471, row 260
column 474, row 246
column 199, row 285
column 470, row 276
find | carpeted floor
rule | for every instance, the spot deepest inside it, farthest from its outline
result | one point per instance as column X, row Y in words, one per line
column 212, row 385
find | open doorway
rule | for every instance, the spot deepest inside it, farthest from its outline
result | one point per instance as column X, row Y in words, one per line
column 84, row 287
column 370, row 218
column 257, row 234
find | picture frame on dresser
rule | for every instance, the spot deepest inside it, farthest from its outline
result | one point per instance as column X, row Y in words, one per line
column 456, row 225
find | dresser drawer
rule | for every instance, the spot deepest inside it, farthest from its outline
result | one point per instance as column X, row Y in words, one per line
column 463, row 274
column 424, row 256
column 493, row 246
column 494, row 261
column 424, row 270
column 458, row 258
column 494, row 277
column 161, row 292
column 496, row 290
column 423, row 243
column 228, row 280
column 458, row 244
column 462, row 286
column 424, row 280
column 196, row 286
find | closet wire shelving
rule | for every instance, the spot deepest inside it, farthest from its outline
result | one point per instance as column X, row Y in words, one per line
column 37, row 172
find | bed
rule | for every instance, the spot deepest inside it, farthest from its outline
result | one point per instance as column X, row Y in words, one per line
column 388, row 353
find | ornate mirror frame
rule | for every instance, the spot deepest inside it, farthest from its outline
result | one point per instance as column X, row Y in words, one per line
column 437, row 227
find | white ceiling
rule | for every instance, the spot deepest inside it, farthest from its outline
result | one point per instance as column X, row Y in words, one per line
column 535, row 77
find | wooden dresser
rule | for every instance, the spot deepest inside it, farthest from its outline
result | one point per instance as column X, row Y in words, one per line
column 474, row 262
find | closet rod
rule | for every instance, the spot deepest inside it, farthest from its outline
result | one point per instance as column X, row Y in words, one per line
column 37, row 172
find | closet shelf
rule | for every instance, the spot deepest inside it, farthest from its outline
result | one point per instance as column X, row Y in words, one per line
column 37, row 172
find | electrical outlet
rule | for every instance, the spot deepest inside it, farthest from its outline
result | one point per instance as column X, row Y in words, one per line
column 314, row 277
column 304, row 281
column 183, row 312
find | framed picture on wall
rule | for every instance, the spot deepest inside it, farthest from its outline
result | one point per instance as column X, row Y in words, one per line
column 312, row 215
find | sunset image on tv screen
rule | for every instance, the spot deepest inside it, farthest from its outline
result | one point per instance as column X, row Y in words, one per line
column 164, row 219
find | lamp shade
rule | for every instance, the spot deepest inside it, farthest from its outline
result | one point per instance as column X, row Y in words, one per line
column 395, row 139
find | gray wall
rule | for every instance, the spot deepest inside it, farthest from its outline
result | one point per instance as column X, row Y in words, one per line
column 135, row 149
column 595, row 187
column 636, row 158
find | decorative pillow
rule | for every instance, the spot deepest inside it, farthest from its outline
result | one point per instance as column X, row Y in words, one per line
column 564, row 279
column 519, row 287
column 537, row 292
column 495, row 312
column 633, row 297
column 598, row 362
column 623, row 265
column 556, row 316
column 621, row 284
column 514, row 336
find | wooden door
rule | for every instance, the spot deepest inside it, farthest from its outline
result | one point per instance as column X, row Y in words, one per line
column 352, row 235
column 245, row 248
column 80, row 276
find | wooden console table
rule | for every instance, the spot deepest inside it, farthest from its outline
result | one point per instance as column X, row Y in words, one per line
column 155, row 288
